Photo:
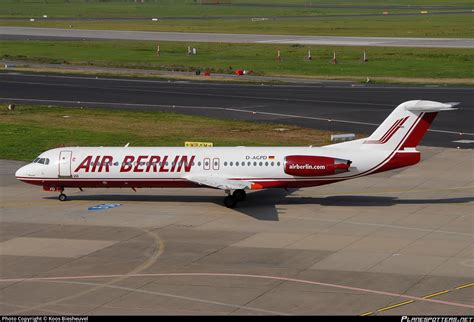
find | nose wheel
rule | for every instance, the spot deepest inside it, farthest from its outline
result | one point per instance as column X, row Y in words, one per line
column 231, row 200
column 62, row 197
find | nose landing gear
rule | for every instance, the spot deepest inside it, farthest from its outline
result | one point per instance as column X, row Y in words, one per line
column 62, row 196
column 231, row 200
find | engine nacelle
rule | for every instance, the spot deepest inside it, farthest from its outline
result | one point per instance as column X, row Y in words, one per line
column 311, row 166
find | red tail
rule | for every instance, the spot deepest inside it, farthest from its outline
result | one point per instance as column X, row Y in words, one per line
column 419, row 131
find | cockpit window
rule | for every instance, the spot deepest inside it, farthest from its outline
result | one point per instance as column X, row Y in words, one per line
column 44, row 161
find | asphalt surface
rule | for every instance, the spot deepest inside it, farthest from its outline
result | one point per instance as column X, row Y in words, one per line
column 395, row 243
column 53, row 33
column 341, row 108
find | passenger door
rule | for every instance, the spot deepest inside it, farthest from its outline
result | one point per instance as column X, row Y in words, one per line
column 65, row 163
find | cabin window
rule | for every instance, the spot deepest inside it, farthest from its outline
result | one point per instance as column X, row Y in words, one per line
column 231, row 163
column 260, row 163
column 266, row 164
column 237, row 163
column 278, row 163
column 225, row 164
column 272, row 164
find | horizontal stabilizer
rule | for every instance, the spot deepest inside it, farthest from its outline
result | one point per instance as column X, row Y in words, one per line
column 430, row 106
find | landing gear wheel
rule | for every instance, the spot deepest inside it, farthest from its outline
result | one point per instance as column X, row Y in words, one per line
column 62, row 197
column 239, row 195
column 230, row 201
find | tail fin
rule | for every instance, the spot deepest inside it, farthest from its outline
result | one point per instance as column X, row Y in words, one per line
column 401, row 132
column 406, row 125
column 397, row 137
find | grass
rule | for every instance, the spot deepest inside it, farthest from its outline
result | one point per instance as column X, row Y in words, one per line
column 438, row 26
column 435, row 63
column 168, row 8
column 29, row 130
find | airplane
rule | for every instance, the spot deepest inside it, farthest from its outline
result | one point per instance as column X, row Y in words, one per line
column 237, row 169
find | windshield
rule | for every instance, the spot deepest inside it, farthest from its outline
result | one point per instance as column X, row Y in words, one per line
column 44, row 161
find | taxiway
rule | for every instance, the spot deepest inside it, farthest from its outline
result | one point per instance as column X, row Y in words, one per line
column 399, row 243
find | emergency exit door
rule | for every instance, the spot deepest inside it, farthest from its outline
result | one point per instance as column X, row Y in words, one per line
column 215, row 164
column 207, row 164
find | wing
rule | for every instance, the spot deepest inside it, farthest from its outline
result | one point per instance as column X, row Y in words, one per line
column 221, row 183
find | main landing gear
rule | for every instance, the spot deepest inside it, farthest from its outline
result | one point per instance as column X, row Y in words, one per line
column 231, row 200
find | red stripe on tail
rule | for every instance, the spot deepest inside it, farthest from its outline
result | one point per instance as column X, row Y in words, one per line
column 399, row 125
column 390, row 130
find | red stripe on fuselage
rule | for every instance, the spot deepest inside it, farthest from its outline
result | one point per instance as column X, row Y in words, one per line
column 178, row 183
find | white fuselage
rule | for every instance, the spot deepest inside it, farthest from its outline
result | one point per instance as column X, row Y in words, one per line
column 173, row 167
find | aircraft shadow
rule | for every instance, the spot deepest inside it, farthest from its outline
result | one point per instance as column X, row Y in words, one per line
column 370, row 201
column 263, row 205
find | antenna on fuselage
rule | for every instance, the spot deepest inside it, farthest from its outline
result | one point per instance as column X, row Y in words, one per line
column 126, row 145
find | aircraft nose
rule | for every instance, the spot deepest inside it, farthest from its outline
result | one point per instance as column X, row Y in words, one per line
column 20, row 172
